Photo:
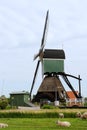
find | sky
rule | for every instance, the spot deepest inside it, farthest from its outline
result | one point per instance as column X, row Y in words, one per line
column 21, row 29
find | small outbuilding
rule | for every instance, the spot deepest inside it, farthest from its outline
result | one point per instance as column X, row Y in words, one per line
column 19, row 98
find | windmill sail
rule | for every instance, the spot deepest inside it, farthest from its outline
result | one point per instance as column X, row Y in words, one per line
column 45, row 30
column 35, row 74
column 40, row 53
column 43, row 37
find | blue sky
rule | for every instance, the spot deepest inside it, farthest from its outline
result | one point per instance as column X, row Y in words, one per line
column 21, row 29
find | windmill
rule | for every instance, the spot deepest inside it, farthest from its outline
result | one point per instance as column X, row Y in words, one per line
column 52, row 61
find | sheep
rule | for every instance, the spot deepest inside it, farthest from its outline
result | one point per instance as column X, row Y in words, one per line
column 84, row 115
column 63, row 123
column 2, row 125
column 78, row 114
column 61, row 115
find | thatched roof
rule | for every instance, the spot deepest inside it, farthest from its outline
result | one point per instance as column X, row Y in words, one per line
column 51, row 84
column 49, row 88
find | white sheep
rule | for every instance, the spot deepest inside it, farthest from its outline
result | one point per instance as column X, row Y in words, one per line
column 84, row 115
column 61, row 115
column 2, row 125
column 78, row 114
column 63, row 123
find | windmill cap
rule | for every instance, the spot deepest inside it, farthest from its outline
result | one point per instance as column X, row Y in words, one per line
column 54, row 53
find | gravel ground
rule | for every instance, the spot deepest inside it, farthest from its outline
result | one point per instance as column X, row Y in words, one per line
column 29, row 108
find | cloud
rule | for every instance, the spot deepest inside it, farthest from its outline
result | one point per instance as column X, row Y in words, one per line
column 14, row 28
column 21, row 29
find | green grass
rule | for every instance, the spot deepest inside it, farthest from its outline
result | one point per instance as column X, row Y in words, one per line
column 42, row 124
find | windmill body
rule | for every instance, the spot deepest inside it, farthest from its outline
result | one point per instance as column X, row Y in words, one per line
column 52, row 60
column 51, row 87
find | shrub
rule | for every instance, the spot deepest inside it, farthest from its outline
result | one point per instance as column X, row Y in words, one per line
column 85, row 104
column 3, row 102
column 46, row 106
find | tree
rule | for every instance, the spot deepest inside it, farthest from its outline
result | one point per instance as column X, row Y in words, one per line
column 3, row 102
column 85, row 101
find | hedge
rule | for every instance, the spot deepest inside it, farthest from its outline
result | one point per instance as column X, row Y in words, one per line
column 35, row 115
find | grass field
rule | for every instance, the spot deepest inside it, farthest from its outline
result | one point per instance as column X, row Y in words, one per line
column 42, row 124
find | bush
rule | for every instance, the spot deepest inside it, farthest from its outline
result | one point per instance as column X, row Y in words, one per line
column 3, row 102
column 85, row 104
column 46, row 106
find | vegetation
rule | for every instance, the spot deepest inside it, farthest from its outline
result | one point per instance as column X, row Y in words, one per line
column 42, row 113
column 47, row 106
column 3, row 102
column 44, row 119
column 85, row 101
column 42, row 124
